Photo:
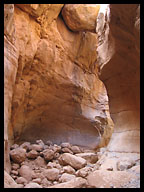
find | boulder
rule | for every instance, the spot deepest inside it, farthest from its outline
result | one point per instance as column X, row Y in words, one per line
column 66, row 177
column 75, row 149
column 80, row 17
column 26, row 172
column 66, row 150
column 32, row 154
column 56, row 148
column 37, row 180
column 45, row 183
column 33, row 185
column 74, row 183
column 36, row 147
column 90, row 157
column 21, row 180
column 83, row 172
column 39, row 162
column 68, row 169
column 53, row 165
column 125, row 164
column 25, row 145
column 51, row 174
column 48, row 154
column 49, row 143
column 38, row 174
column 18, row 155
column 72, row 160
column 66, row 145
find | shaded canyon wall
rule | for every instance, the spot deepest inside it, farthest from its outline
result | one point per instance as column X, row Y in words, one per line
column 52, row 89
column 120, row 71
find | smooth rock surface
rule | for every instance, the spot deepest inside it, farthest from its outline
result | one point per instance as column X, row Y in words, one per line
column 21, row 180
column 89, row 157
column 33, row 185
column 75, row 149
column 121, row 75
column 109, row 164
column 74, row 183
column 26, row 172
column 72, row 160
column 101, row 178
column 125, row 164
column 66, row 177
column 69, row 169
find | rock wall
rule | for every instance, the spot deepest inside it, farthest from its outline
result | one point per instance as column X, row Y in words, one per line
column 120, row 71
column 10, row 68
column 52, row 90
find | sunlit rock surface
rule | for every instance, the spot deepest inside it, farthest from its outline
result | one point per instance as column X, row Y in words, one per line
column 57, row 94
column 80, row 17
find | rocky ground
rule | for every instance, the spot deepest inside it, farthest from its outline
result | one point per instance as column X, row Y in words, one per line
column 48, row 165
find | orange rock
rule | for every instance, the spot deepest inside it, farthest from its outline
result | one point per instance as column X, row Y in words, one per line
column 81, row 17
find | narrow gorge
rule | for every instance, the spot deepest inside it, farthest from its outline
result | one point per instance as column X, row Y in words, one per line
column 71, row 96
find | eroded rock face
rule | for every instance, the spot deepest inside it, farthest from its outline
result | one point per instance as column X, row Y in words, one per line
column 52, row 90
column 10, row 69
column 120, row 74
column 57, row 94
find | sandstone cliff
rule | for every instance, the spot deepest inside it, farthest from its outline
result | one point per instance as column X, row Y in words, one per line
column 120, row 72
column 52, row 89
column 52, row 67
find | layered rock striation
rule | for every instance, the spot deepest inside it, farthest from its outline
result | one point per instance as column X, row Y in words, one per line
column 52, row 89
column 52, row 67
column 119, row 69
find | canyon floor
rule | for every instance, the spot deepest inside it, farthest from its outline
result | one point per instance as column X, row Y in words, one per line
column 48, row 165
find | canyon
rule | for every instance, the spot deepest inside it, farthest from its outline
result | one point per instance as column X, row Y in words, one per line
column 72, row 75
